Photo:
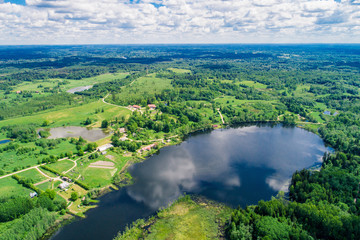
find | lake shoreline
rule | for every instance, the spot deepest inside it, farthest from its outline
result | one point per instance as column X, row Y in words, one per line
column 181, row 140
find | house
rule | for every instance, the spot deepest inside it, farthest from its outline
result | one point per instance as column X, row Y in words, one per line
column 123, row 139
column 33, row 194
column 18, row 92
column 64, row 185
column 136, row 107
column 104, row 147
column 148, row 148
column 152, row 106
column 327, row 113
column 335, row 113
column 122, row 130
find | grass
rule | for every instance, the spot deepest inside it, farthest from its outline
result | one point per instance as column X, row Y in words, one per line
column 100, row 177
column 97, row 177
column 44, row 186
column 143, row 86
column 10, row 187
column 50, row 83
column 62, row 166
column 316, row 116
column 253, row 84
column 232, row 101
column 185, row 219
column 179, row 70
column 71, row 116
column 10, row 160
column 32, row 174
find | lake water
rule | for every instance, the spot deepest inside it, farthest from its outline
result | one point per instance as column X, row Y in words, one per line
column 79, row 89
column 72, row 131
column 5, row 141
column 237, row 166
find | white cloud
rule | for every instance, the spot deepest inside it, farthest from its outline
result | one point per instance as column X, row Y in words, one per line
column 171, row 21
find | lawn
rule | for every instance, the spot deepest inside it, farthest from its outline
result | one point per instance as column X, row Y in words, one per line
column 97, row 177
column 62, row 166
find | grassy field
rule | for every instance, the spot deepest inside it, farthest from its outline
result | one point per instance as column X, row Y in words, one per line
column 179, row 70
column 71, row 83
column 33, row 174
column 10, row 187
column 185, row 219
column 10, row 160
column 100, row 177
column 253, row 84
column 71, row 116
column 316, row 116
column 97, row 177
column 62, row 166
column 232, row 101
column 144, row 86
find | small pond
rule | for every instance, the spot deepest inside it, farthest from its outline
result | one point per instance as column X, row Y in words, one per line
column 79, row 89
column 236, row 166
column 4, row 141
column 72, row 131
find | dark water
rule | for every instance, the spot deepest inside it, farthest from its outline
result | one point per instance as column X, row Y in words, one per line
column 235, row 166
column 5, row 141
column 72, row 131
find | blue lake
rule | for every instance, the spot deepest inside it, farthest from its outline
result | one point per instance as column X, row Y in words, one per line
column 236, row 166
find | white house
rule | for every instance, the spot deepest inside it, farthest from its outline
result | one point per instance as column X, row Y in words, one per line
column 64, row 185
column 104, row 147
column 33, row 194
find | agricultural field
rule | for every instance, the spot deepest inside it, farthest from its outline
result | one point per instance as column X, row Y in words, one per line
column 142, row 87
column 62, row 166
column 66, row 84
column 72, row 116
column 9, row 187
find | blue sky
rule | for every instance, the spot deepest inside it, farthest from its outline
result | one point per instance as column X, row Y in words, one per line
column 179, row 21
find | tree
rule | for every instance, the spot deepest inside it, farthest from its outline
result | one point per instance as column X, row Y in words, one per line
column 104, row 124
column 50, row 193
column 74, row 196
column 87, row 121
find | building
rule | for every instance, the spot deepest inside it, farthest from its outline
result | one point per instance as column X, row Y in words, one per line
column 33, row 194
column 152, row 106
column 122, row 130
column 327, row 112
column 136, row 107
column 64, row 185
column 148, row 148
column 18, row 92
column 105, row 147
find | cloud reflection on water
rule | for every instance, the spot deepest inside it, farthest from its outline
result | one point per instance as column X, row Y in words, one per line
column 226, row 162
